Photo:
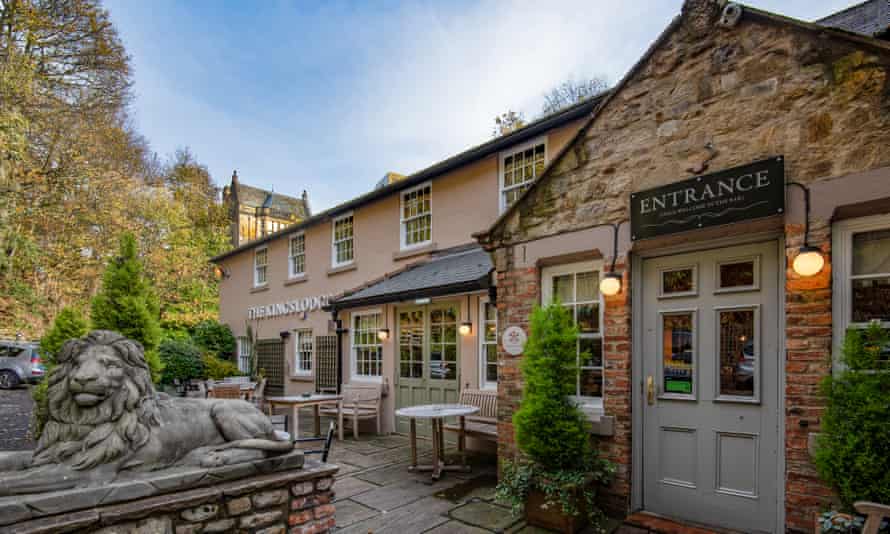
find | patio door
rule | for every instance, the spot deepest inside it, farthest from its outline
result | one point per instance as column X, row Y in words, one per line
column 710, row 323
column 427, row 369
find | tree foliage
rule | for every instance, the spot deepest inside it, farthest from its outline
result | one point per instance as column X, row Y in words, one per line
column 75, row 175
column 550, row 429
column 215, row 338
column 181, row 360
column 572, row 91
column 70, row 323
column 853, row 452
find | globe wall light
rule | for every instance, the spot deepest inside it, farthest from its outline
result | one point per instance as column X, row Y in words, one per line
column 809, row 260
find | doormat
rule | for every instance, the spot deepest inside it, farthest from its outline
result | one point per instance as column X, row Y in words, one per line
column 661, row 525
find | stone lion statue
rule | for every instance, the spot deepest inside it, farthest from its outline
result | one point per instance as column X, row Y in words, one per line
column 106, row 418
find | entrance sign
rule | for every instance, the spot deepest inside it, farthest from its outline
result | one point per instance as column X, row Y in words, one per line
column 748, row 192
column 514, row 340
column 292, row 307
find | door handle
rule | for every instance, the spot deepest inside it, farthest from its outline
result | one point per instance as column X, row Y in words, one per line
column 650, row 390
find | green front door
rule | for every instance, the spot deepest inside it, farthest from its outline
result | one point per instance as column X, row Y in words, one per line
column 428, row 369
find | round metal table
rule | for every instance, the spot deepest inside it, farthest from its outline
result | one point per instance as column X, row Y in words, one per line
column 436, row 413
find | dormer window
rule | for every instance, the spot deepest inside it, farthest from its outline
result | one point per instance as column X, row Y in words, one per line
column 519, row 168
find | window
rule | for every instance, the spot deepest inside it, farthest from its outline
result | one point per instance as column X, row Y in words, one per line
column 416, row 216
column 519, row 169
column 343, row 249
column 297, row 255
column 861, row 262
column 488, row 344
column 243, row 355
column 575, row 286
column 260, row 266
column 367, row 351
column 303, row 352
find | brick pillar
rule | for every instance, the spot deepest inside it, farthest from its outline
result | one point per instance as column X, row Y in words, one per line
column 808, row 360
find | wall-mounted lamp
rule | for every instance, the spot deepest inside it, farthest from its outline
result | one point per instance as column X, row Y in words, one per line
column 611, row 283
column 383, row 333
column 466, row 327
column 809, row 260
column 221, row 273
column 284, row 334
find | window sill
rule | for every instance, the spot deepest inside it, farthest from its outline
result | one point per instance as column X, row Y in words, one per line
column 295, row 280
column 342, row 268
column 365, row 379
column 307, row 377
column 259, row 289
column 410, row 252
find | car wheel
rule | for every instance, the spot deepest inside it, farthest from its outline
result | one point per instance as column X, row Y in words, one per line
column 8, row 380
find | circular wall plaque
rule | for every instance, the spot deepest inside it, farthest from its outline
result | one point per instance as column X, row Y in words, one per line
column 514, row 340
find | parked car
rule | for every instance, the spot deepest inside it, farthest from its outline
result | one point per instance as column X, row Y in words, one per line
column 19, row 362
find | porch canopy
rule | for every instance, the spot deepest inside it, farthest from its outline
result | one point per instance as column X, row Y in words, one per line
column 450, row 272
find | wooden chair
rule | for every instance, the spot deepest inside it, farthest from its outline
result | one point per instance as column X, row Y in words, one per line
column 222, row 390
column 328, row 439
column 482, row 425
column 360, row 401
column 873, row 513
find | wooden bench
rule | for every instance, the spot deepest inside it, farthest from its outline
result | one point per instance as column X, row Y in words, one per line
column 482, row 425
column 360, row 401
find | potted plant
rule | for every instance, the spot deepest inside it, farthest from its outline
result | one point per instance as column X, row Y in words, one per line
column 558, row 472
column 852, row 452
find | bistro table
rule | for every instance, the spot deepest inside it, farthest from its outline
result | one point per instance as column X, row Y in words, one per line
column 315, row 400
column 436, row 413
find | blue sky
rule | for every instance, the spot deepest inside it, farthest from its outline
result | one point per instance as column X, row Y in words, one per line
column 329, row 96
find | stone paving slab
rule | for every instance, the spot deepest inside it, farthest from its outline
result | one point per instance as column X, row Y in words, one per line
column 419, row 516
column 456, row 527
column 351, row 486
column 394, row 473
column 350, row 512
column 390, row 497
column 483, row 514
column 361, row 447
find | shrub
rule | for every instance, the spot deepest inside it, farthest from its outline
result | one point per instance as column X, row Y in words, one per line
column 181, row 360
column 217, row 369
column 853, row 448
column 215, row 338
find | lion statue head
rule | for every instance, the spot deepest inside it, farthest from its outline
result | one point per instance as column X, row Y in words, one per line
column 101, row 402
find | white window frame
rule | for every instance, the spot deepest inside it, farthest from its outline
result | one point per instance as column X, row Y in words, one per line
column 502, row 201
column 256, row 267
column 291, row 258
column 591, row 405
column 355, row 375
column 403, row 222
column 243, row 354
column 842, row 267
column 334, row 242
column 299, row 335
column 483, row 362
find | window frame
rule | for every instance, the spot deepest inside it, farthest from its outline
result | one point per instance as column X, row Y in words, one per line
column 842, row 266
column 354, row 374
column 591, row 405
column 334, row 242
column 512, row 151
column 299, row 334
column 483, row 362
column 403, row 232
column 256, row 266
column 291, row 258
column 243, row 348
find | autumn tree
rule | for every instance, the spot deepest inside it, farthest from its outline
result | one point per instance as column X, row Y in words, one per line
column 571, row 92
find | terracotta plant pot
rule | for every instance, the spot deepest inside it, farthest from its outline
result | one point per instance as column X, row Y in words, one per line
column 550, row 516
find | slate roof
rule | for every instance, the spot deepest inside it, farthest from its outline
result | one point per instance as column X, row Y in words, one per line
column 282, row 206
column 868, row 18
column 456, row 271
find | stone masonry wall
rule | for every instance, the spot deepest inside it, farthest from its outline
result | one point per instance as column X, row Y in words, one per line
column 763, row 88
column 294, row 502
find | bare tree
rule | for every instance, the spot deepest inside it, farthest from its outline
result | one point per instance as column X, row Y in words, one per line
column 571, row 92
column 507, row 122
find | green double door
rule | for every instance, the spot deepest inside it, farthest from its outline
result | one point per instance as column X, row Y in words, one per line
column 427, row 352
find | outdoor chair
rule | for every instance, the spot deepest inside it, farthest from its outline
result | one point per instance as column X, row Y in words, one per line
column 222, row 390
column 328, row 439
column 359, row 402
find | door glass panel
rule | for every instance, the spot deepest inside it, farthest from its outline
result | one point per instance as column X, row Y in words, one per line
column 678, row 281
column 411, row 344
column 739, row 274
column 737, row 353
column 678, row 352
column 443, row 344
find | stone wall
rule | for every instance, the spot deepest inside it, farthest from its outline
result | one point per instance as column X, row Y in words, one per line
column 762, row 88
column 297, row 501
